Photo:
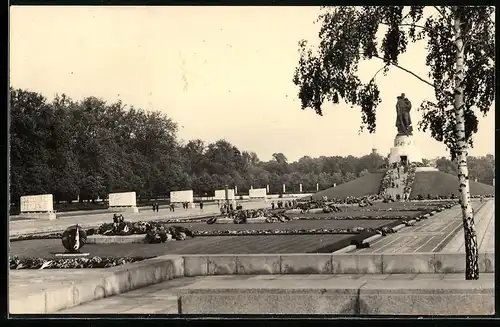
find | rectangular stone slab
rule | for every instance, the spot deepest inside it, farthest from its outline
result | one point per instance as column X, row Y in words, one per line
column 270, row 297
column 103, row 239
column 249, row 221
column 428, row 297
column 71, row 255
column 338, row 296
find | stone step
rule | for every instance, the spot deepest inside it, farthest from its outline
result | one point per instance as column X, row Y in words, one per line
column 156, row 303
column 395, row 294
column 340, row 296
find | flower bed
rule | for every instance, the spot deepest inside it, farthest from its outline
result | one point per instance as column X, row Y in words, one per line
column 447, row 197
column 50, row 236
column 241, row 216
column 386, row 182
column 250, row 232
column 378, row 209
column 357, row 217
column 255, row 232
column 364, row 200
column 159, row 232
column 70, row 263
column 310, row 204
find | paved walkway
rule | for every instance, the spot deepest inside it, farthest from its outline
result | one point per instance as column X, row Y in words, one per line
column 162, row 298
column 433, row 234
column 47, row 226
column 30, row 281
column 398, row 179
column 485, row 231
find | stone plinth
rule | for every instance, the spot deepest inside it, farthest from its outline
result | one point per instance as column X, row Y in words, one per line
column 123, row 202
column 404, row 145
column 425, row 169
column 38, row 215
column 103, row 239
column 38, row 207
column 131, row 209
column 123, row 199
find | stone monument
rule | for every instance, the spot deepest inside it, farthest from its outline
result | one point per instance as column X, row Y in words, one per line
column 38, row 207
column 404, row 149
column 122, row 202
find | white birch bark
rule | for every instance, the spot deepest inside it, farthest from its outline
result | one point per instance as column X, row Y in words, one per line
column 471, row 251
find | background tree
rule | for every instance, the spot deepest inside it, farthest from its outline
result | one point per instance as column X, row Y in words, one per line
column 462, row 74
column 52, row 151
column 90, row 148
column 31, row 121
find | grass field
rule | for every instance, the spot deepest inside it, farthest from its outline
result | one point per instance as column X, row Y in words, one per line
column 296, row 224
column 443, row 184
column 198, row 245
column 219, row 244
column 365, row 185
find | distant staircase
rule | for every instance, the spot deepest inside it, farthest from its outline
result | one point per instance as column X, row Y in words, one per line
column 394, row 184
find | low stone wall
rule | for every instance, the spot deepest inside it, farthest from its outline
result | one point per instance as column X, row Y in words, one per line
column 113, row 281
column 388, row 297
column 258, row 220
column 383, row 263
column 430, row 297
column 128, row 209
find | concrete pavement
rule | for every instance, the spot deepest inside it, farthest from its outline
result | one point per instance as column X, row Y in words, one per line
column 433, row 234
column 334, row 294
column 485, row 230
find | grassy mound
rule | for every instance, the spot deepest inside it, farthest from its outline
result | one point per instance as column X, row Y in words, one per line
column 444, row 184
column 366, row 185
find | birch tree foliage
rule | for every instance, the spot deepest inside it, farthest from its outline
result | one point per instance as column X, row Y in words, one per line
column 348, row 35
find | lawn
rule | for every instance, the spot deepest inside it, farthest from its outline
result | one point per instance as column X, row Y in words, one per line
column 220, row 244
column 368, row 184
column 443, row 184
column 198, row 245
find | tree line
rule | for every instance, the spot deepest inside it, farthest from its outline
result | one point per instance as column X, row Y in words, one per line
column 87, row 149
column 481, row 169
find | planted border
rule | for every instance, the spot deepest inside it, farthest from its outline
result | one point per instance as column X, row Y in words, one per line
column 143, row 228
column 17, row 263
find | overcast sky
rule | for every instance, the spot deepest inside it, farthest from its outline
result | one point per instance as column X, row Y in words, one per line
column 219, row 72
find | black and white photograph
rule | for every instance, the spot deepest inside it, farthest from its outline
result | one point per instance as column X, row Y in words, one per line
column 354, row 147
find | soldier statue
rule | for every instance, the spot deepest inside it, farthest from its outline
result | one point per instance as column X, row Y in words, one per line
column 403, row 118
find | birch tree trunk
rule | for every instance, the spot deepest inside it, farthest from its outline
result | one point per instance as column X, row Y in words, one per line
column 471, row 251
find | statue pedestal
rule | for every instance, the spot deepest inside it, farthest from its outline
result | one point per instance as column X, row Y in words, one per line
column 404, row 146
